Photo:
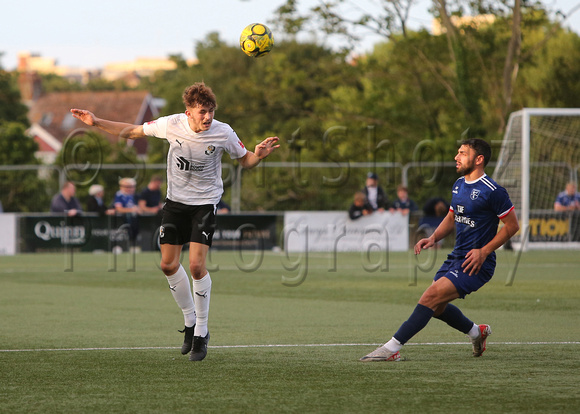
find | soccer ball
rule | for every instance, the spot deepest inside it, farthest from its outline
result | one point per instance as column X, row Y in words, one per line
column 256, row 40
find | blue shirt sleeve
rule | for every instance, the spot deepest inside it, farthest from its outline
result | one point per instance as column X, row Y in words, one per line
column 500, row 202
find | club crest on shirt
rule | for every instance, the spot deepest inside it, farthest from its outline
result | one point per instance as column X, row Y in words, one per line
column 474, row 194
column 210, row 150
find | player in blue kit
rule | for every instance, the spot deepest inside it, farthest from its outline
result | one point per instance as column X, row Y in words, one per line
column 478, row 204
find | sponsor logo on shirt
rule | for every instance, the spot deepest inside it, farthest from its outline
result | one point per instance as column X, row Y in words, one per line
column 464, row 220
column 241, row 143
column 185, row 165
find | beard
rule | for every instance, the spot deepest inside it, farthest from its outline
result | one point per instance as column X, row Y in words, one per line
column 466, row 169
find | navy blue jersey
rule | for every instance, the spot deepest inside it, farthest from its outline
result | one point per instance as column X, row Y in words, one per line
column 478, row 206
column 126, row 200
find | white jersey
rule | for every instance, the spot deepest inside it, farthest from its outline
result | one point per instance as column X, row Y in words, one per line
column 194, row 161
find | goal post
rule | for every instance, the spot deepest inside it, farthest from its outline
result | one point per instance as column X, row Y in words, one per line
column 540, row 153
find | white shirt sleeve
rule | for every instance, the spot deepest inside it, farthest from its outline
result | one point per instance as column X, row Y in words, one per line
column 235, row 147
column 157, row 128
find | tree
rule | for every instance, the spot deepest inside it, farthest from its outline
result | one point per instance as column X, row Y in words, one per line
column 548, row 76
column 285, row 93
column 11, row 109
column 23, row 190
column 466, row 52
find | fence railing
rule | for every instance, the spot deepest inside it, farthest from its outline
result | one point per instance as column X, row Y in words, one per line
column 326, row 175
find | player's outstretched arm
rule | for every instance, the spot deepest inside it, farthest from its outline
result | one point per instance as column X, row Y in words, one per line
column 442, row 230
column 262, row 150
column 122, row 129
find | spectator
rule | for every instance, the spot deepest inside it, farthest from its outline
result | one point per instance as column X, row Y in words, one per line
column 126, row 205
column 403, row 204
column 434, row 210
column 360, row 206
column 223, row 207
column 436, row 207
column 150, row 198
column 374, row 194
column 95, row 202
column 569, row 199
column 65, row 201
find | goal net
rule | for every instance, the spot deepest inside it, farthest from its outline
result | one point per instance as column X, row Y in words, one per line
column 540, row 154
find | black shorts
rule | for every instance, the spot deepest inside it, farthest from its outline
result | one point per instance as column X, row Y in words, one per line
column 182, row 223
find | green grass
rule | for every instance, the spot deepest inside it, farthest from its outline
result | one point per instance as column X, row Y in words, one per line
column 98, row 341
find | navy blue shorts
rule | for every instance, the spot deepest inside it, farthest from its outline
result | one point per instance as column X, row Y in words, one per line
column 465, row 284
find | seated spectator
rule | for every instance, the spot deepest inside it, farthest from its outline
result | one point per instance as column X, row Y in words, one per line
column 360, row 207
column 223, row 207
column 150, row 197
column 374, row 193
column 95, row 202
column 125, row 204
column 403, row 204
column 65, row 201
column 569, row 199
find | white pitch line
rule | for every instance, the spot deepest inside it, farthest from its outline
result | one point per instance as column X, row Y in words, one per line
column 278, row 346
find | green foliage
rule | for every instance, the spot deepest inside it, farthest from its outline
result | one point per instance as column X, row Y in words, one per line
column 286, row 94
column 16, row 148
column 408, row 100
column 11, row 109
column 549, row 75
column 54, row 83
column 20, row 190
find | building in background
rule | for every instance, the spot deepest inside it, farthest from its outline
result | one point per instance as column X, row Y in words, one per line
column 474, row 21
column 49, row 114
column 51, row 121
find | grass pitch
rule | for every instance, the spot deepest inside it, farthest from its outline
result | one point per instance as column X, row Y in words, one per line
column 98, row 334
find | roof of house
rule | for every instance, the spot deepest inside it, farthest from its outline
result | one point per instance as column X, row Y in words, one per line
column 51, row 112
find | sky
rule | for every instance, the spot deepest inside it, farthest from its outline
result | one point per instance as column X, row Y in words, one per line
column 89, row 34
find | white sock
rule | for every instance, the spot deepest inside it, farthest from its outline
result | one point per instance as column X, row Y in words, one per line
column 393, row 345
column 181, row 291
column 474, row 332
column 201, row 291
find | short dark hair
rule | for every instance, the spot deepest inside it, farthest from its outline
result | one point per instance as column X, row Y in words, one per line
column 199, row 94
column 480, row 147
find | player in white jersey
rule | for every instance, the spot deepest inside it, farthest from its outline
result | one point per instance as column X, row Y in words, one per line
column 477, row 205
column 194, row 188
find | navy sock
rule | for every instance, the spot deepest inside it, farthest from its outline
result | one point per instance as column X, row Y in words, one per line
column 417, row 321
column 453, row 317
